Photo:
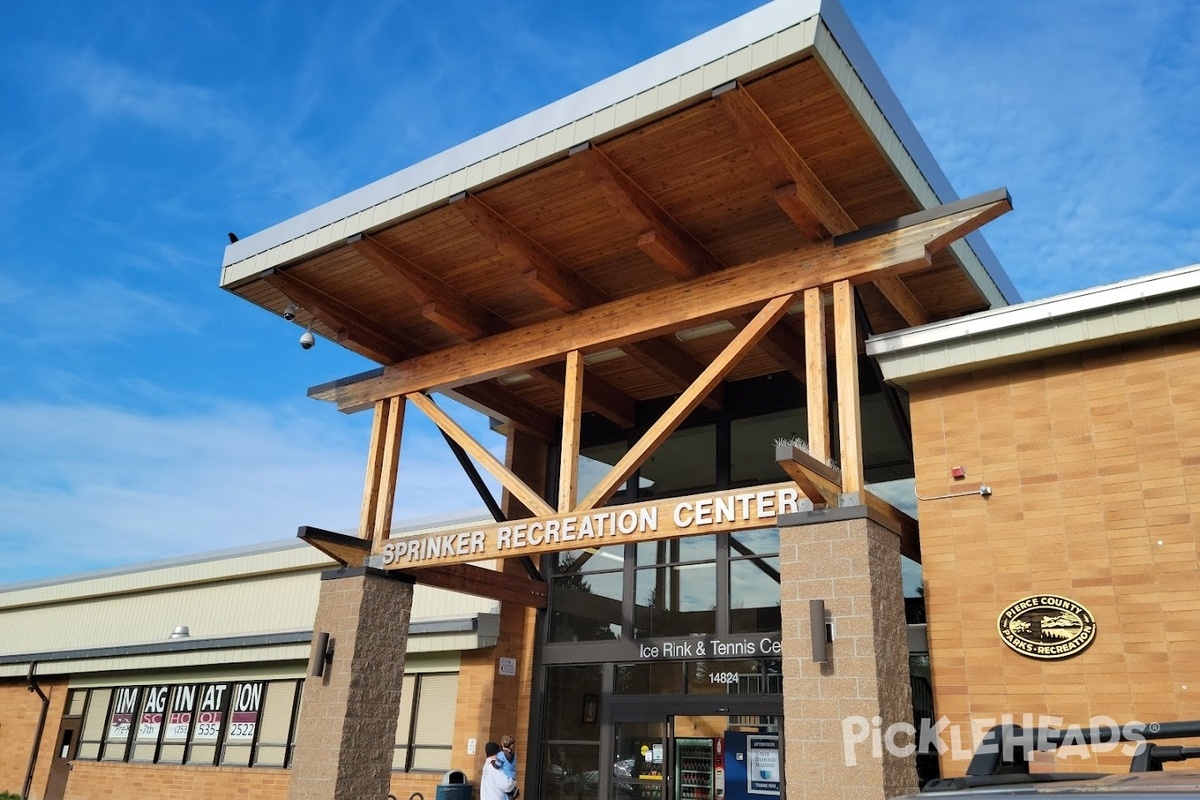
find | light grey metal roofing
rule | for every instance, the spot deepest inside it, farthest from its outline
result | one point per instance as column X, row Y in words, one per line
column 1140, row 308
column 777, row 31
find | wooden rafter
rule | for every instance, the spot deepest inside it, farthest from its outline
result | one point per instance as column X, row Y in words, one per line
column 741, row 344
column 380, row 343
column 907, row 243
column 566, row 291
column 528, row 496
column 441, row 304
column 455, row 312
column 672, row 246
column 798, row 191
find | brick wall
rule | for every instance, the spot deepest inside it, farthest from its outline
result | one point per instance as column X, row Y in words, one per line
column 98, row 780
column 21, row 708
column 1094, row 463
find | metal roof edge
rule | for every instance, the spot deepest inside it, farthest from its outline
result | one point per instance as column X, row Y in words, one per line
column 1150, row 293
column 838, row 23
column 277, row 545
column 694, row 53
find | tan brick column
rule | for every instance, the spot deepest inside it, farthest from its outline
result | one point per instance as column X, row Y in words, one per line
column 347, row 725
column 853, row 564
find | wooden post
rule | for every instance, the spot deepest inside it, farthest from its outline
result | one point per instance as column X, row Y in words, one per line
column 817, row 381
column 383, row 461
column 845, row 337
column 568, row 469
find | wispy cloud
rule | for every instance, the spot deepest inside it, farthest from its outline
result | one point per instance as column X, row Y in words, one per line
column 84, row 486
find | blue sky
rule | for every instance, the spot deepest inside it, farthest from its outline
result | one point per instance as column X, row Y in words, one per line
column 145, row 413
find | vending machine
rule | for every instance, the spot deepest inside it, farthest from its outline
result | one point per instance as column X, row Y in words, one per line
column 697, row 764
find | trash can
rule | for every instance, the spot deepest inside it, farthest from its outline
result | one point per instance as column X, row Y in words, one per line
column 454, row 786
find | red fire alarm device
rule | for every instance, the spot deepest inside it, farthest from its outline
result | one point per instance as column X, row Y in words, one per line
column 958, row 473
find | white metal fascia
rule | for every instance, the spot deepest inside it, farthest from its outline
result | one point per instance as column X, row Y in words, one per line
column 751, row 42
column 1135, row 309
column 772, row 34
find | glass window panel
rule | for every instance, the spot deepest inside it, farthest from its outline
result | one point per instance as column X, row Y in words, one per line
column 120, row 723
column 431, row 758
column 276, row 722
column 143, row 751
column 761, row 542
column 576, row 692
column 745, row 676
column 686, row 463
column 236, row 755
column 570, row 771
column 586, row 608
column 202, row 754
column 754, row 605
column 676, row 601
column 886, row 454
column 94, row 724
column 650, row 678
column 154, row 705
column 76, row 703
column 171, row 754
column 404, row 722
column 592, row 559
column 435, row 709
column 752, row 445
column 179, row 718
column 594, row 464
column 671, row 551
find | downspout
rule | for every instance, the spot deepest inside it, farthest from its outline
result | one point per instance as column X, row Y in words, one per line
column 37, row 737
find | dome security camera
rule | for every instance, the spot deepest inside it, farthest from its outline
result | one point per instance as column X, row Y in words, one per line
column 289, row 313
column 307, row 340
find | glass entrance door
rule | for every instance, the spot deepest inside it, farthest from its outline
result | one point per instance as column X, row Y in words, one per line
column 640, row 759
column 697, row 757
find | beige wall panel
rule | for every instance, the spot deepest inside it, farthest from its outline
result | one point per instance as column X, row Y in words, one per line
column 1094, row 464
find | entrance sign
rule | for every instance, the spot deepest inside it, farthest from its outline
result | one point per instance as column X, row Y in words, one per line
column 762, row 765
column 697, row 647
column 722, row 512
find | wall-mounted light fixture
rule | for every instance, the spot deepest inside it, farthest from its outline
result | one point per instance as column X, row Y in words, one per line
column 821, row 631
column 322, row 655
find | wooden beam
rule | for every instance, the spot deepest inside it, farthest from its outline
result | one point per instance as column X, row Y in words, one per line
column 671, row 246
column 670, row 308
column 568, row 464
column 741, row 344
column 352, row 551
column 440, row 304
column 818, row 480
column 530, row 498
column 566, row 291
column 599, row 395
column 659, row 234
column 549, row 277
column 902, row 299
column 910, row 539
column 493, row 400
column 470, row 579
column 845, row 345
column 815, row 356
column 453, row 311
column 386, row 497
column 382, row 344
column 798, row 191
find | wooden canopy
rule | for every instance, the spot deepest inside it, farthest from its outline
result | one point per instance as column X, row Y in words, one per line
column 744, row 175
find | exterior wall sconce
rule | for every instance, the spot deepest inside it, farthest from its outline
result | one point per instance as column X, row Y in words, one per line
column 322, row 655
column 821, row 630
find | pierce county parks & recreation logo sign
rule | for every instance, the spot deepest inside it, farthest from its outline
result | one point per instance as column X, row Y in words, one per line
column 1047, row 626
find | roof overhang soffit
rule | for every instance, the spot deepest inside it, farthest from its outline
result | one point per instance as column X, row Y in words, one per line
column 883, row 251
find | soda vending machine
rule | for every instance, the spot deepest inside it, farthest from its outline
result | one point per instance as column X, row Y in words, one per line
column 697, row 763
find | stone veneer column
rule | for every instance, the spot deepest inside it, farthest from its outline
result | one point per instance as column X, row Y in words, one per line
column 853, row 564
column 347, row 726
